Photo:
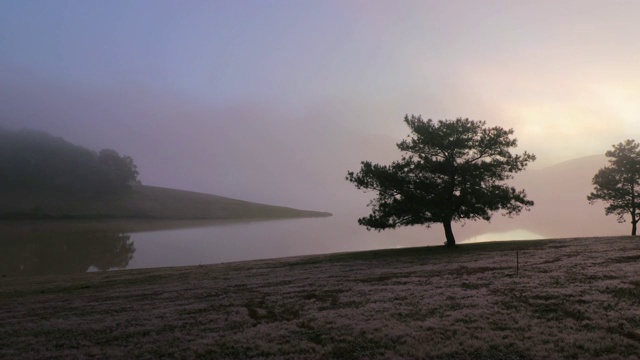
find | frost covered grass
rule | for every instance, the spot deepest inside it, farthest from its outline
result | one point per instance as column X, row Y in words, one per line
column 572, row 298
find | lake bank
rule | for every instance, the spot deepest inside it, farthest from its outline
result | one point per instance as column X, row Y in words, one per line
column 571, row 298
column 141, row 202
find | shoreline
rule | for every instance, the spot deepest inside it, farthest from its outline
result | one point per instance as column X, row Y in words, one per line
column 142, row 202
column 108, row 217
column 135, row 224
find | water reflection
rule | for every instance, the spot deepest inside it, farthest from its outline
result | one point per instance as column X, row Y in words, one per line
column 55, row 247
column 28, row 251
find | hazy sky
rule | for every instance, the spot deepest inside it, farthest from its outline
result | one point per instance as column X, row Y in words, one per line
column 274, row 101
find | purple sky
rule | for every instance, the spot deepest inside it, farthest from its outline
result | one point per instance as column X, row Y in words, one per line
column 273, row 101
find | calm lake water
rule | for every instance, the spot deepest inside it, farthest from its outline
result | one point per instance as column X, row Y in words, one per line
column 55, row 247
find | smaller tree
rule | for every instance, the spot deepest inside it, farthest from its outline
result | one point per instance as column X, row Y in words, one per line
column 619, row 183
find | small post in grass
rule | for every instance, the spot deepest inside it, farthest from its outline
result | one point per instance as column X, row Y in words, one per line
column 517, row 262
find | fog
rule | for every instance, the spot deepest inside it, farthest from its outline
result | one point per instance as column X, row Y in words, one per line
column 275, row 101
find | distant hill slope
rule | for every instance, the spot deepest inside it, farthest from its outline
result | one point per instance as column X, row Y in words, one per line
column 149, row 202
column 561, row 208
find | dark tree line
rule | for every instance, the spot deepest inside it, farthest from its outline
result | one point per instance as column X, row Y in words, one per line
column 38, row 162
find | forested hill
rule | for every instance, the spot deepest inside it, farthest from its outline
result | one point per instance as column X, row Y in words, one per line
column 36, row 162
column 42, row 176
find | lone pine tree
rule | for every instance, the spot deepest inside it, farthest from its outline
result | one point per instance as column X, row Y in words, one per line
column 450, row 170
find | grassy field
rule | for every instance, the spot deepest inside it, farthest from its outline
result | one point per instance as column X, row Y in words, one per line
column 143, row 202
column 571, row 298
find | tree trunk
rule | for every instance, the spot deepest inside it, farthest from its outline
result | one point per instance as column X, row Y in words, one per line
column 634, row 219
column 448, row 233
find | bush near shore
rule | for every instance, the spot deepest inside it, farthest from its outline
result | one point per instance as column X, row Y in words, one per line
column 572, row 298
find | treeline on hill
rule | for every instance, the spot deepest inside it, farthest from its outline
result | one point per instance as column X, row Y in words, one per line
column 40, row 163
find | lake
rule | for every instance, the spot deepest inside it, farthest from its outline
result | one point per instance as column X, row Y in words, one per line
column 57, row 247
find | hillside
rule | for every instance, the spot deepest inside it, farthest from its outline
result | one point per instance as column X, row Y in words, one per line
column 148, row 202
column 561, row 208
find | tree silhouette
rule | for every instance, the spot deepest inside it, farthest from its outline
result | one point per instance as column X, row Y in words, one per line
column 619, row 183
column 119, row 171
column 450, row 170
